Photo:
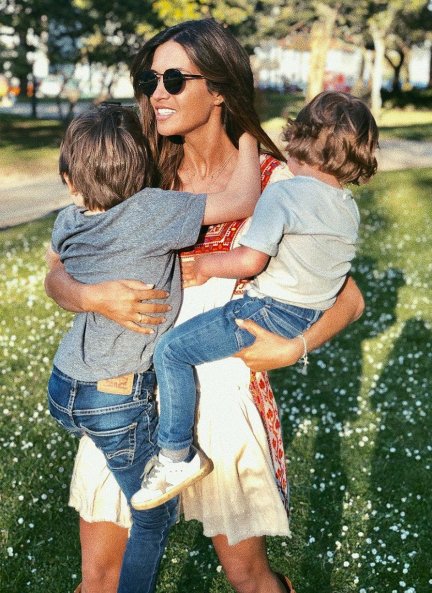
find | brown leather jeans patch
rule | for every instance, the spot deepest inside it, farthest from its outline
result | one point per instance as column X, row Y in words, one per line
column 117, row 385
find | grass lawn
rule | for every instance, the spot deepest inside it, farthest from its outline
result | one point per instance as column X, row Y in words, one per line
column 357, row 427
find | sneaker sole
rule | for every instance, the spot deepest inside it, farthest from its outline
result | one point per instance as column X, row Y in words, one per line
column 205, row 469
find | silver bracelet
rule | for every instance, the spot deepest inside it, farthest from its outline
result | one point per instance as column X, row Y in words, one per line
column 304, row 357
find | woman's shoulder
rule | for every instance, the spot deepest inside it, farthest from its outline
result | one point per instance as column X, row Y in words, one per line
column 272, row 170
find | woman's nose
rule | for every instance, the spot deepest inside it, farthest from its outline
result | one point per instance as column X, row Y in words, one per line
column 160, row 91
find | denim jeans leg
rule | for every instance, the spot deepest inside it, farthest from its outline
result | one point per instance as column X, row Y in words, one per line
column 124, row 428
column 207, row 337
column 212, row 336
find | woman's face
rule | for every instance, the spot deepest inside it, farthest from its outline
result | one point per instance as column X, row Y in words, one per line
column 194, row 107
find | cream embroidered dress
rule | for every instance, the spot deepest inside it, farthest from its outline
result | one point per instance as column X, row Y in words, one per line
column 237, row 426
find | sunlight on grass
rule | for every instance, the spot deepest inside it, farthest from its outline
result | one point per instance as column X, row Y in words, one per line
column 398, row 117
column 356, row 428
column 29, row 147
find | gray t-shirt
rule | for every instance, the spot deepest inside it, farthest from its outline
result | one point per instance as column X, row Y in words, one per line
column 135, row 240
column 310, row 229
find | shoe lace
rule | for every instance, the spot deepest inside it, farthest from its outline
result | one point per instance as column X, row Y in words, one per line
column 152, row 471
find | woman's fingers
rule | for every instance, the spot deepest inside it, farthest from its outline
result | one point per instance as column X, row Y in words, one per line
column 269, row 351
column 146, row 308
column 142, row 318
column 135, row 327
column 253, row 328
column 130, row 303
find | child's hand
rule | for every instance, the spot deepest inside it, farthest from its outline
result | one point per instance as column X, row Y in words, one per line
column 191, row 276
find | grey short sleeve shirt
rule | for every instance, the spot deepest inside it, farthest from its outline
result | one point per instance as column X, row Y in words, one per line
column 135, row 240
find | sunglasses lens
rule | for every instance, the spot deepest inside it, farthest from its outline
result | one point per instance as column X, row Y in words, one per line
column 173, row 81
column 147, row 82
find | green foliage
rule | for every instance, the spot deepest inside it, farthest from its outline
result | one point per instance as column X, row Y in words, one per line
column 415, row 99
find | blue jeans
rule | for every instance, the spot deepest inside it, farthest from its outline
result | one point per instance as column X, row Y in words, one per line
column 124, row 428
column 211, row 336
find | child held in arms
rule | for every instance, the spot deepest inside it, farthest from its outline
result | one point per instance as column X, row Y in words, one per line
column 299, row 247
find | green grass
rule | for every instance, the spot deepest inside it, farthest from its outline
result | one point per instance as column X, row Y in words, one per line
column 357, row 427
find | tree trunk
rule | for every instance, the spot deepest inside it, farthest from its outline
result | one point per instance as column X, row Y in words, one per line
column 378, row 37
column 430, row 69
column 361, row 85
column 23, row 83
column 34, row 101
column 320, row 38
column 397, row 68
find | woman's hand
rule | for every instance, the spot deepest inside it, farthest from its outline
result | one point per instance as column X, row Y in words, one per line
column 125, row 302
column 269, row 351
column 190, row 275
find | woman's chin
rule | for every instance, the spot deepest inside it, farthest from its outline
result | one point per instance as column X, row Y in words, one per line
column 165, row 127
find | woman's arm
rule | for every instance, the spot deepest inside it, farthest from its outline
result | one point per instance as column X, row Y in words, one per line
column 120, row 300
column 270, row 351
column 241, row 194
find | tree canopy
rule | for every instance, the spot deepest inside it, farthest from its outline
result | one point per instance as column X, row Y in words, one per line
column 97, row 32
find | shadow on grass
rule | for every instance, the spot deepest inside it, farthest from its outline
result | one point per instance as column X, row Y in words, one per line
column 27, row 134
column 401, row 482
column 328, row 398
column 191, row 562
column 335, row 387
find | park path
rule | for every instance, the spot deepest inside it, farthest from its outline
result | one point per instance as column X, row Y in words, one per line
column 31, row 198
column 23, row 200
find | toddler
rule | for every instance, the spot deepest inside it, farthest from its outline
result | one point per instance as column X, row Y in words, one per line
column 299, row 245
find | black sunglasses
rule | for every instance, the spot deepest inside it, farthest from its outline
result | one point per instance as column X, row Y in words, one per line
column 173, row 80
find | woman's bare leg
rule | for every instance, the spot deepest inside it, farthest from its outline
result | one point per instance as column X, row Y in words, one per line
column 246, row 565
column 102, row 548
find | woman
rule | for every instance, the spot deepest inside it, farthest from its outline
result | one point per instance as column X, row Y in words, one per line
column 193, row 125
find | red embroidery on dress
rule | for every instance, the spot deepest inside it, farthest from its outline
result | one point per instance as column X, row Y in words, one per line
column 221, row 237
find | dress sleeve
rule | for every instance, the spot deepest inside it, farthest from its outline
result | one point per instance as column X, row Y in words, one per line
column 280, row 173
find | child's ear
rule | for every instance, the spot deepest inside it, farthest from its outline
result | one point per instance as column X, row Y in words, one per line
column 68, row 182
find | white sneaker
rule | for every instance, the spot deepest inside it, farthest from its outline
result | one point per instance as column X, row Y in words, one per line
column 163, row 479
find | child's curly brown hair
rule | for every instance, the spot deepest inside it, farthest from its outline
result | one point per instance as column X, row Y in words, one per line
column 336, row 133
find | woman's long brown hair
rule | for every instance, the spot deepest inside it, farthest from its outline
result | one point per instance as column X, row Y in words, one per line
column 221, row 59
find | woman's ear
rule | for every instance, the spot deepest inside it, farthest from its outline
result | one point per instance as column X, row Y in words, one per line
column 218, row 99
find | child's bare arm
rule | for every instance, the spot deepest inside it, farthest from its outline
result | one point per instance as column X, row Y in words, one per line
column 241, row 262
column 243, row 190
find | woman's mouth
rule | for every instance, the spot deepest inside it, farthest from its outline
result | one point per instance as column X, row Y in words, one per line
column 163, row 113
